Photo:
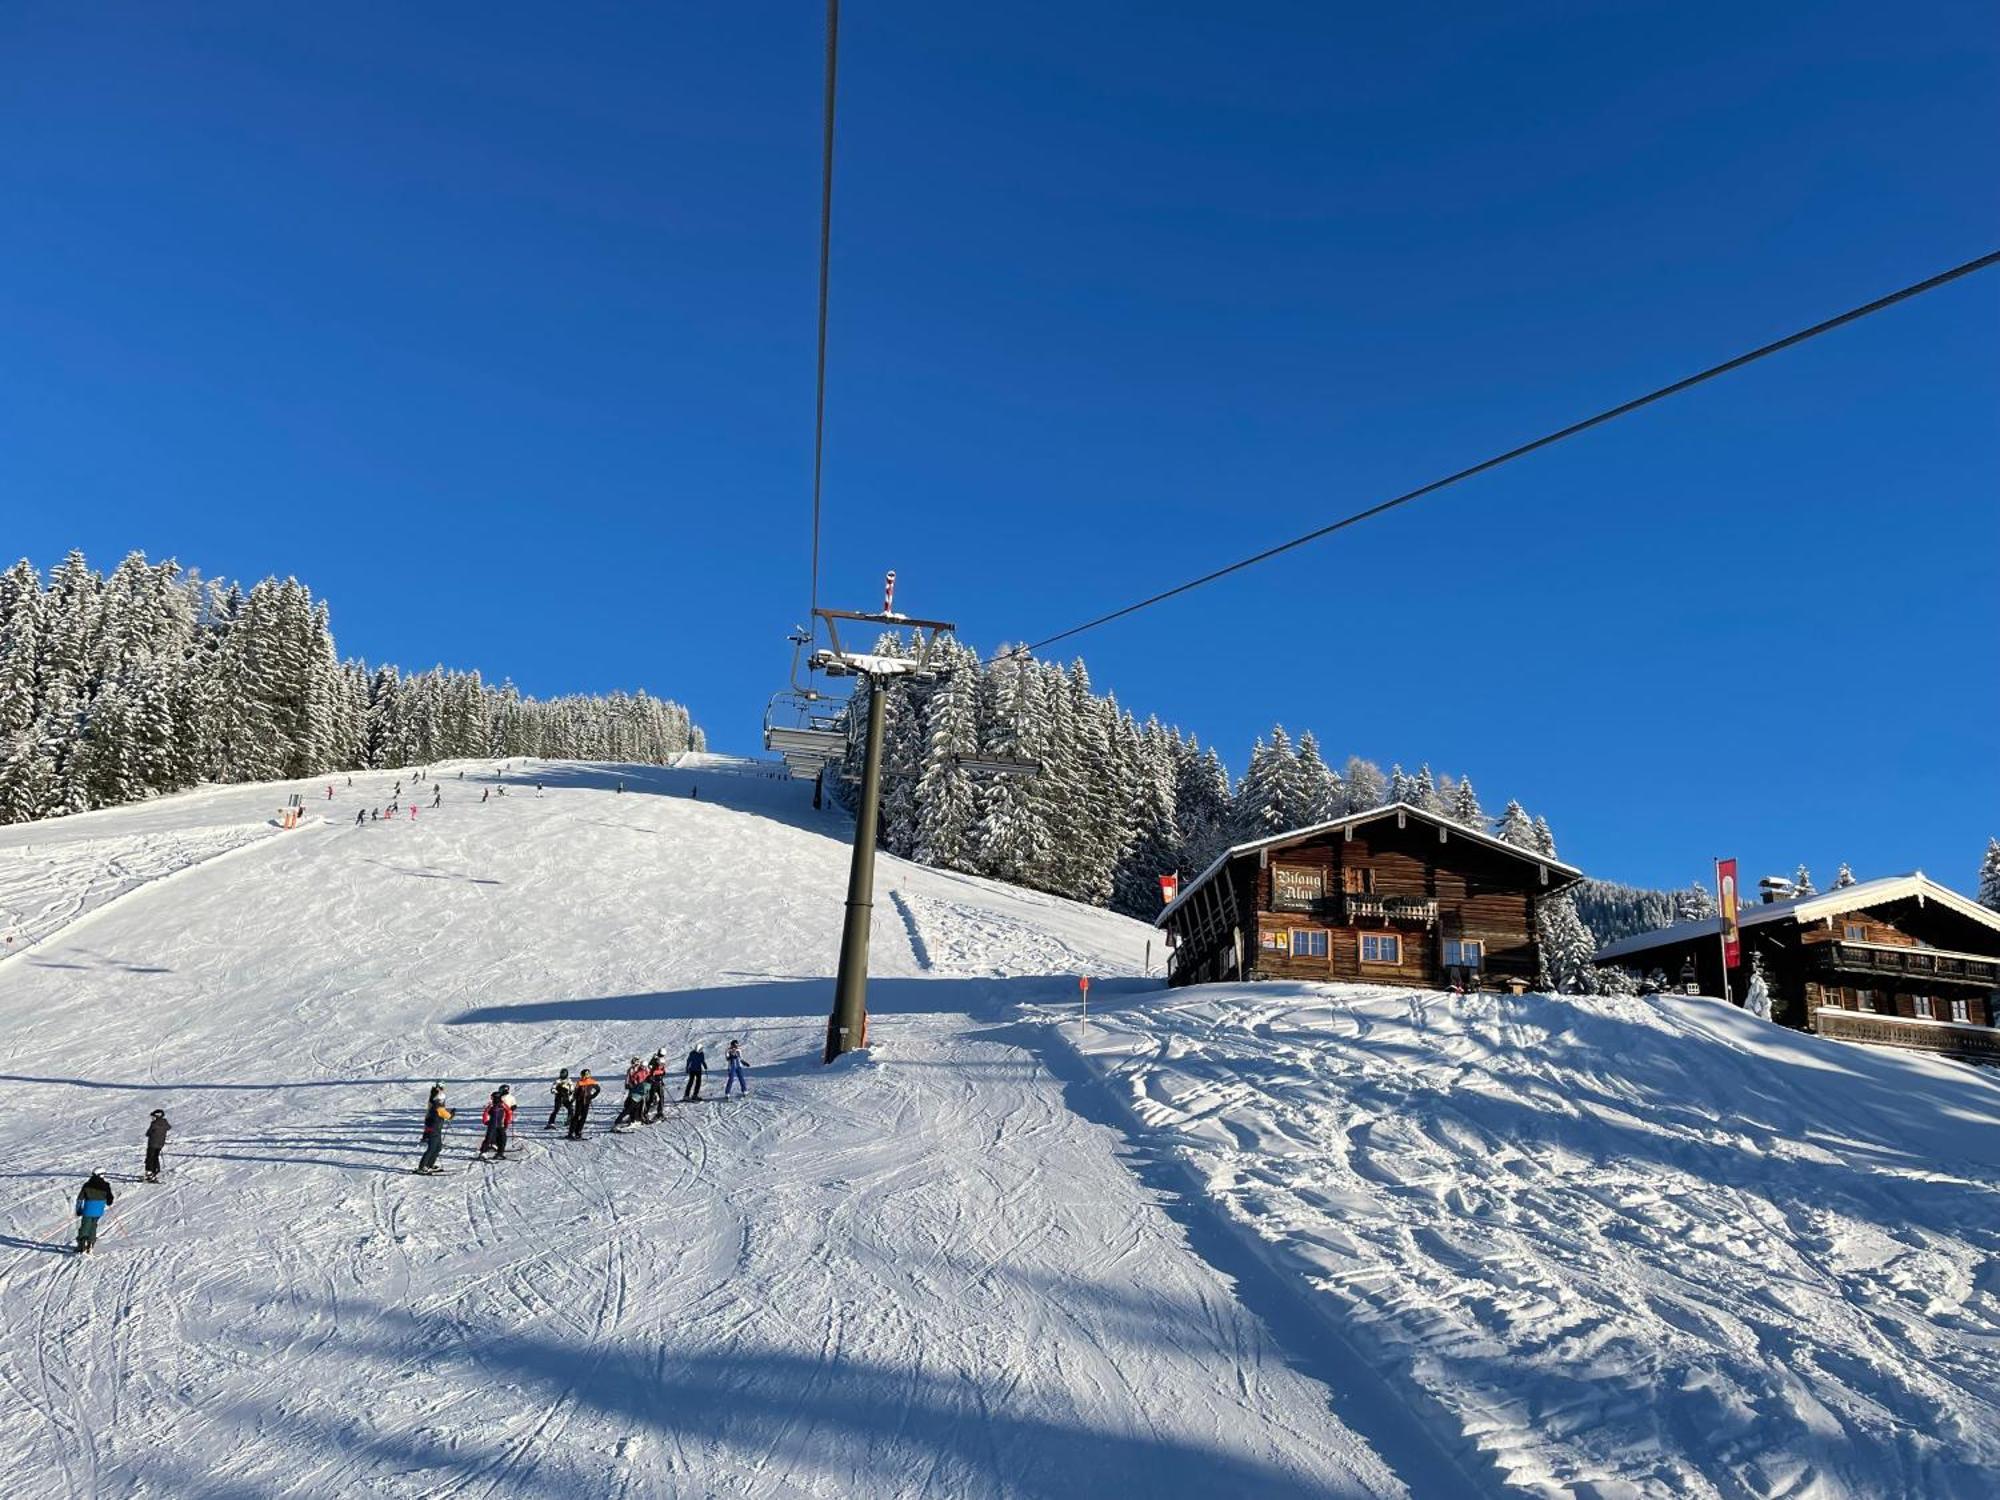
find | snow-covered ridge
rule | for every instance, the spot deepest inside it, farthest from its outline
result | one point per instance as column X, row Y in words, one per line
column 1626, row 1247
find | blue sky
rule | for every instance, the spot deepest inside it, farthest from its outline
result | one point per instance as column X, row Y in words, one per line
column 494, row 324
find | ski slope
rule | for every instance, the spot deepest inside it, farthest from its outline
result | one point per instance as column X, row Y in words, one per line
column 1623, row 1247
column 920, row 1272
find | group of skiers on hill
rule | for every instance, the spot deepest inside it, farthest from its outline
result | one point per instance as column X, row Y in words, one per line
column 95, row 1196
column 645, row 1102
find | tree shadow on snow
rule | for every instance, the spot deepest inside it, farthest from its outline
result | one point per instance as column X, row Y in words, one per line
column 797, row 999
column 798, row 1420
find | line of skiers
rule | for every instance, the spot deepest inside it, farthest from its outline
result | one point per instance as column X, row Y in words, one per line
column 95, row 1196
column 571, row 1101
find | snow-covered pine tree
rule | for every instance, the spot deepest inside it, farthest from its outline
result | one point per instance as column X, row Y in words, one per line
column 1011, row 839
column 1366, row 788
column 1566, row 948
column 947, row 801
column 1694, row 904
column 1400, row 787
column 1204, row 813
column 1465, row 806
column 1545, row 838
column 1153, row 816
column 1989, row 876
column 27, row 762
column 1757, row 998
column 1515, row 828
column 1802, row 883
column 1321, row 796
column 1843, row 877
column 1424, row 792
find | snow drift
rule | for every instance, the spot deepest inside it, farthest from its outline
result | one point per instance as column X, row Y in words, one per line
column 1624, row 1247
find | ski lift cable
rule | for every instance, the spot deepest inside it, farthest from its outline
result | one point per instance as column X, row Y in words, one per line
column 1852, row 315
column 825, row 259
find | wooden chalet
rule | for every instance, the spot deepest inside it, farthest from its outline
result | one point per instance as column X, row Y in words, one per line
column 1902, row 961
column 1395, row 895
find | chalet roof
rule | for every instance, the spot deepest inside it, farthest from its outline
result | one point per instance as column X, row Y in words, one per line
column 1298, row 835
column 1857, row 897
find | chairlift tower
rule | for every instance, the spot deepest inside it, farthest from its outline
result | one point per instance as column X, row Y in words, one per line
column 847, row 1027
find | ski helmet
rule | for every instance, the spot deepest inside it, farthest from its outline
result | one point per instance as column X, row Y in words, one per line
column 159, row 1114
column 563, row 1074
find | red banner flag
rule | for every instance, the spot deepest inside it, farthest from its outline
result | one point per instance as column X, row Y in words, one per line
column 1725, row 900
column 1170, row 887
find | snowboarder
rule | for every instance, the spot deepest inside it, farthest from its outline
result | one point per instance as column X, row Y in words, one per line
column 697, row 1064
column 579, row 1105
column 656, row 1085
column 435, row 1114
column 736, row 1076
column 562, row 1090
column 156, row 1142
column 91, row 1203
column 498, row 1115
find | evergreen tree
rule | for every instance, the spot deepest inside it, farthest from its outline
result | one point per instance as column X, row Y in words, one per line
column 1843, row 877
column 1545, row 838
column 1694, row 904
column 1757, row 998
column 1514, row 827
column 1566, row 948
column 1989, row 876
column 1802, row 883
column 947, row 801
column 1320, row 795
column 1366, row 789
column 1465, row 806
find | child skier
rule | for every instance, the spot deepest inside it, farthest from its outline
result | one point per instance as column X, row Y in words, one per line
column 91, row 1203
column 498, row 1115
column 579, row 1105
column 435, row 1114
column 156, row 1141
column 697, row 1064
column 736, row 1076
column 437, row 797
column 656, row 1085
column 563, row 1090
column 634, row 1109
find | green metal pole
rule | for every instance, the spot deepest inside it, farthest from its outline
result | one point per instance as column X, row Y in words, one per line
column 847, row 1027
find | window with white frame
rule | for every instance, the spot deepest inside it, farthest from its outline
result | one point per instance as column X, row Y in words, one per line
column 1920, row 1007
column 1308, row 942
column 1381, row 948
column 1856, row 933
column 1960, row 1011
column 1463, row 953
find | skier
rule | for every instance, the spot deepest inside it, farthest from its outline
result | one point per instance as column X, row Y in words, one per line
column 656, row 1085
column 91, row 1203
column 413, row 812
column 498, row 1115
column 437, row 796
column 736, row 1075
column 538, row 789
column 484, row 795
column 156, row 1141
column 360, row 816
column 697, row 1064
column 579, row 1104
column 374, row 814
column 693, row 790
column 435, row 1114
column 621, row 788
column 563, row 1090
column 461, row 775
column 329, row 791
column 633, row 1110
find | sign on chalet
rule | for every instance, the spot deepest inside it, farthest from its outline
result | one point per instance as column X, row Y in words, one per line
column 1904, row 961
column 1395, row 895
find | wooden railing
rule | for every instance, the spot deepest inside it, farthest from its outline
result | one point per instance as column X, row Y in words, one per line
column 1956, row 1039
column 1914, row 964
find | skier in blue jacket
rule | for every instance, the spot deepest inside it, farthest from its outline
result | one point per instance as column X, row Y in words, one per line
column 90, row 1205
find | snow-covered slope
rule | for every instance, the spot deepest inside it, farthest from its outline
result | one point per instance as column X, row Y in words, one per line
column 1625, row 1247
column 923, row 1274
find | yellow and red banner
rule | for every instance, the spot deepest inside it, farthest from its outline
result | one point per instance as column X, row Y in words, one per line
column 1725, row 901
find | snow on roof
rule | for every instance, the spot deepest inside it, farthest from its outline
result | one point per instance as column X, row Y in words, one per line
column 1845, row 898
column 1292, row 836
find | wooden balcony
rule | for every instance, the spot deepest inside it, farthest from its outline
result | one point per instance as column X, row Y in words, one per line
column 1952, row 1038
column 1355, row 908
column 1922, row 967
